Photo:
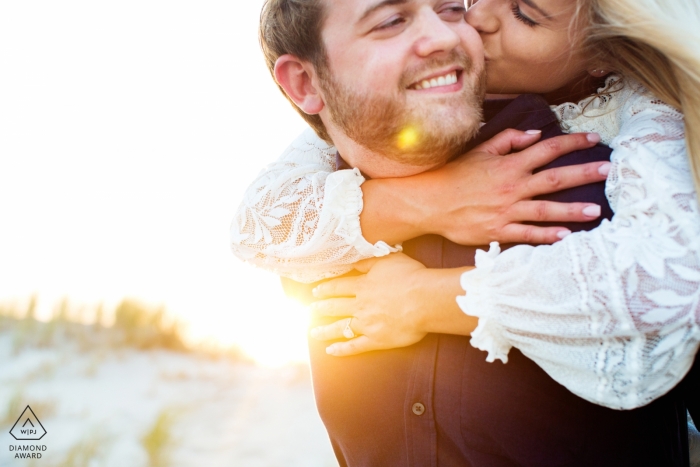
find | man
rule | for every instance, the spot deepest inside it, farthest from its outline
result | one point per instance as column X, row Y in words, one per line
column 436, row 402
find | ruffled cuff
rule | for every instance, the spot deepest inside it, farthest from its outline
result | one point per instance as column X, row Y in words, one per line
column 489, row 335
column 343, row 200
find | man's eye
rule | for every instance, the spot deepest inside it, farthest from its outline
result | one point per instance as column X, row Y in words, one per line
column 453, row 13
column 391, row 23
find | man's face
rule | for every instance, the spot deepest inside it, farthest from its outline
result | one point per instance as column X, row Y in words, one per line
column 404, row 78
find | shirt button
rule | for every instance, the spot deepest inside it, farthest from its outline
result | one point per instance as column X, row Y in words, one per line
column 418, row 408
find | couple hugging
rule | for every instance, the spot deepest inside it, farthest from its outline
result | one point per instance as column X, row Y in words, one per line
column 408, row 174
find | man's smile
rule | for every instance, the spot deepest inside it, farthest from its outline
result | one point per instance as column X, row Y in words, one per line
column 446, row 81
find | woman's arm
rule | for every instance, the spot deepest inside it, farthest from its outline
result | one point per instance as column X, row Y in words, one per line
column 302, row 219
column 485, row 195
column 613, row 314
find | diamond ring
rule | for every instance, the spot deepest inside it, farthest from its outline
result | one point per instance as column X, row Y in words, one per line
column 348, row 332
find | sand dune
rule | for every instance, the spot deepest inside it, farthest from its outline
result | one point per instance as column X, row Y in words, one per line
column 131, row 408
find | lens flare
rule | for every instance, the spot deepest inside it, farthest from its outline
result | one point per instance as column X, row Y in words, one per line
column 408, row 137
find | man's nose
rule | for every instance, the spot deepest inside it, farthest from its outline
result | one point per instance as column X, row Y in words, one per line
column 481, row 17
column 434, row 35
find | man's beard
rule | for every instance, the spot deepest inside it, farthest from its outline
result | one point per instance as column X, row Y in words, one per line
column 427, row 135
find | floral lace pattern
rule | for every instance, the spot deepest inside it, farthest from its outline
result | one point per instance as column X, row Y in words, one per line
column 603, row 107
column 301, row 218
column 612, row 314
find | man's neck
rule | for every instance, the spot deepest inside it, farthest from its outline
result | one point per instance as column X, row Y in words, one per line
column 373, row 164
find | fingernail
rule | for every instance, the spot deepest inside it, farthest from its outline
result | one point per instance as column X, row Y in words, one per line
column 604, row 169
column 315, row 333
column 563, row 233
column 593, row 138
column 591, row 211
column 533, row 132
column 330, row 350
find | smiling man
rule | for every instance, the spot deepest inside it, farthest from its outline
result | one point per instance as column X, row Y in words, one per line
column 398, row 97
column 396, row 86
column 389, row 102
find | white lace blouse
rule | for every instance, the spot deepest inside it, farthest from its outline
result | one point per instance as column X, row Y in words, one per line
column 612, row 314
column 300, row 218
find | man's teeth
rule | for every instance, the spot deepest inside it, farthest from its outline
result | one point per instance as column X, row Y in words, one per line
column 446, row 80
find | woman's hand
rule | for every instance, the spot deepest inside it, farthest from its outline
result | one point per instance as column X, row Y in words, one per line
column 394, row 303
column 486, row 194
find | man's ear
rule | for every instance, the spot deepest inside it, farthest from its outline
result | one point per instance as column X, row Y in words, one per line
column 296, row 78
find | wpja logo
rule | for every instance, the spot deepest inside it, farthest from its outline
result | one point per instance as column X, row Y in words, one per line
column 28, row 428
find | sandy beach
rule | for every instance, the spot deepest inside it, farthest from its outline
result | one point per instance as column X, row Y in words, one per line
column 129, row 408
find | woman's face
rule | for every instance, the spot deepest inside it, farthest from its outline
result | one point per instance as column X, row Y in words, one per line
column 528, row 45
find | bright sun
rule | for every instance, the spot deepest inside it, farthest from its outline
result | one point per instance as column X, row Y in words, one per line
column 276, row 332
column 123, row 171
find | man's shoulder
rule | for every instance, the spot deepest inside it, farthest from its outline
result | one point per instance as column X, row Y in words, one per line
column 525, row 112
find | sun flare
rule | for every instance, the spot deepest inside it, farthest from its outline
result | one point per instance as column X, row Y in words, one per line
column 408, row 137
column 267, row 326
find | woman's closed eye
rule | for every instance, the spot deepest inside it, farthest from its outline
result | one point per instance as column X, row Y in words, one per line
column 517, row 12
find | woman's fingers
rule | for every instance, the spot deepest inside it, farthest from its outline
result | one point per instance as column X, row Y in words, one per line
column 352, row 347
column 544, row 211
column 508, row 141
column 561, row 178
column 540, row 153
column 341, row 287
column 521, row 233
column 551, row 211
column 334, row 330
column 333, row 307
column 546, row 151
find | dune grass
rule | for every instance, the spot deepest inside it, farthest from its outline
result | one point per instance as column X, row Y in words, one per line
column 147, row 328
column 18, row 401
column 159, row 438
column 133, row 325
column 83, row 453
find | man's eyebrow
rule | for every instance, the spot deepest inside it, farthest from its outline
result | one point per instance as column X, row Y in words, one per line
column 534, row 6
column 372, row 8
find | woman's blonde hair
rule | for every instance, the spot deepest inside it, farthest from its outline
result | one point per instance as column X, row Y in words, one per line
column 656, row 42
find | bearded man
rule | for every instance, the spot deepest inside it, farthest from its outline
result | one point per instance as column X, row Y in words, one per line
column 358, row 82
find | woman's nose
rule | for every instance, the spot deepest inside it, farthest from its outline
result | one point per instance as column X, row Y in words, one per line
column 482, row 16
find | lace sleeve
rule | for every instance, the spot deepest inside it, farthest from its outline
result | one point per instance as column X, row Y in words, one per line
column 612, row 314
column 300, row 218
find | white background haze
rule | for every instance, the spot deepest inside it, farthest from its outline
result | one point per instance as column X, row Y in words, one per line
column 128, row 133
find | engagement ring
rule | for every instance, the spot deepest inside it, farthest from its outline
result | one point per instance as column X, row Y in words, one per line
column 347, row 332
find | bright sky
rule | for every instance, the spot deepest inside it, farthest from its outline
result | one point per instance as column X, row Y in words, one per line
column 128, row 133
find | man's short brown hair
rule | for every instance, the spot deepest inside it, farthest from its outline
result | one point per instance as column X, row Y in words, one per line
column 294, row 27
